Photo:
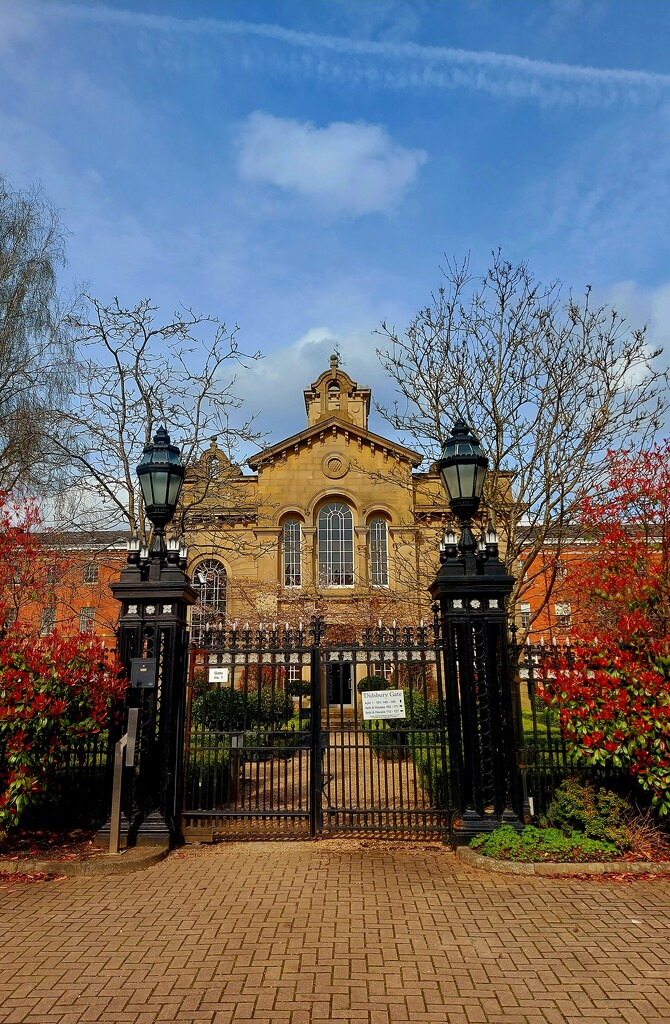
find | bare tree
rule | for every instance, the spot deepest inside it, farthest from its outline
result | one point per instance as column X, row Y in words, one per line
column 136, row 375
column 549, row 383
column 36, row 368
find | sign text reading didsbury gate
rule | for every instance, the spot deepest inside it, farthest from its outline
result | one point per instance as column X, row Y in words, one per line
column 383, row 704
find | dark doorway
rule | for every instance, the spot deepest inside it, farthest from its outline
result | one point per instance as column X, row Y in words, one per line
column 338, row 683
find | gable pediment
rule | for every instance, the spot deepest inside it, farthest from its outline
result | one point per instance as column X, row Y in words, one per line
column 335, row 428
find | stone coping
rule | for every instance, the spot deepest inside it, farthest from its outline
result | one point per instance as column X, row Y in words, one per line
column 513, row 867
column 100, row 864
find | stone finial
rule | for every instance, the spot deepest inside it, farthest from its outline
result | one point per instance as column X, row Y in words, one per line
column 334, row 361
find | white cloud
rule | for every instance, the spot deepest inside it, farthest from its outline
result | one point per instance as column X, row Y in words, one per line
column 643, row 306
column 273, row 387
column 344, row 168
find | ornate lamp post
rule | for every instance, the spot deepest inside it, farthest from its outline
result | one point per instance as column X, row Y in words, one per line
column 471, row 587
column 155, row 593
column 161, row 475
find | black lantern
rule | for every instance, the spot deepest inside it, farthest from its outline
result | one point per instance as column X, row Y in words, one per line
column 161, row 474
column 463, row 468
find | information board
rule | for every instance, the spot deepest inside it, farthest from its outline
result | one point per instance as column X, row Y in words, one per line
column 383, row 704
column 218, row 675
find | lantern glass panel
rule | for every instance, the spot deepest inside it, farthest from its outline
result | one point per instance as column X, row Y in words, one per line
column 479, row 482
column 450, row 480
column 466, row 472
column 160, row 486
column 175, row 488
column 147, row 491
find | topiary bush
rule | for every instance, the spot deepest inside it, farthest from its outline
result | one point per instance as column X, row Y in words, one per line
column 598, row 813
column 535, row 845
column 268, row 707
column 223, row 709
column 298, row 688
column 368, row 683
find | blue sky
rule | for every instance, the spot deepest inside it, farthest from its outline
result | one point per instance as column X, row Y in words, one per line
column 302, row 167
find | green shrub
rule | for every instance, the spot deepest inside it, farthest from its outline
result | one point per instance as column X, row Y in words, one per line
column 270, row 707
column 433, row 773
column 224, row 709
column 598, row 813
column 298, row 688
column 535, row 845
column 232, row 710
column 387, row 739
column 396, row 738
column 422, row 712
column 207, row 777
column 368, row 683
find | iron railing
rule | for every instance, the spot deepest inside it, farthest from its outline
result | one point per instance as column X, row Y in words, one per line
column 278, row 730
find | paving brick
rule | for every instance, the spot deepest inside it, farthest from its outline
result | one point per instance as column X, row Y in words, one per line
column 333, row 931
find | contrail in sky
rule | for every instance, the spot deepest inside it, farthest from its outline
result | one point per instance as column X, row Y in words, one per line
column 394, row 65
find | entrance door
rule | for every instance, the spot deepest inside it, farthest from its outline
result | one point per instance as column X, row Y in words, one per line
column 339, row 683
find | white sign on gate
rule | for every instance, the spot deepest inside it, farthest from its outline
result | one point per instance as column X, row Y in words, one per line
column 383, row 704
column 218, row 675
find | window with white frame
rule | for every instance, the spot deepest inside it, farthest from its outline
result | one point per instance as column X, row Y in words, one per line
column 47, row 621
column 563, row 614
column 335, row 545
column 209, row 581
column 524, row 610
column 292, row 553
column 86, row 620
column 91, row 573
column 378, row 549
column 293, row 673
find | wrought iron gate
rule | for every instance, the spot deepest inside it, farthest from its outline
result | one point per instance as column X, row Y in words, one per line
column 288, row 732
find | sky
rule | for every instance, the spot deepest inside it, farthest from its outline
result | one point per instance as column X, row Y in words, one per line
column 303, row 168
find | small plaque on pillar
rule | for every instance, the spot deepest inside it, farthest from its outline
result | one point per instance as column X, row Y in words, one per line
column 143, row 673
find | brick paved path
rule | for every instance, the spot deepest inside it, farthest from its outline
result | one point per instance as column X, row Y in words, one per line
column 335, row 930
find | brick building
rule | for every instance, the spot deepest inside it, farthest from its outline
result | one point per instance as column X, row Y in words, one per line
column 74, row 594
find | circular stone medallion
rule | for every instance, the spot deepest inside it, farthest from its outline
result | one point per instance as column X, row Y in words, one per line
column 335, row 465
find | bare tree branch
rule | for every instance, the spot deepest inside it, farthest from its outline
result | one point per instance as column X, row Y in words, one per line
column 36, row 365
column 136, row 374
column 549, row 383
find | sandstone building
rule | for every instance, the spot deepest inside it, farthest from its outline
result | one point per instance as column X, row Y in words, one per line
column 335, row 519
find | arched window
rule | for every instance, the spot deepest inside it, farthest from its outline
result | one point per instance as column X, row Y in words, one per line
column 292, row 553
column 378, row 552
column 335, row 545
column 210, row 583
